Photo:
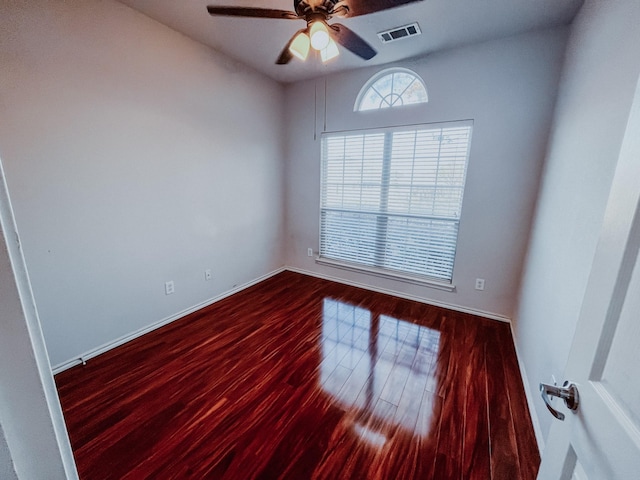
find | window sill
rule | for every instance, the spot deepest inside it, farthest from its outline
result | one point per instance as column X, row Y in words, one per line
column 378, row 272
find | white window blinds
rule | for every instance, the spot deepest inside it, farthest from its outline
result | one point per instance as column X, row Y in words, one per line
column 391, row 198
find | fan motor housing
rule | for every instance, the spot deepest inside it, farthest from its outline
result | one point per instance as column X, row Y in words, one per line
column 306, row 7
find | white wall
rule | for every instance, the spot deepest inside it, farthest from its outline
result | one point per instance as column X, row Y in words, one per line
column 508, row 88
column 6, row 463
column 598, row 82
column 134, row 156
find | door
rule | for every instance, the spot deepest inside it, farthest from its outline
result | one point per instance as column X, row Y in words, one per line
column 601, row 439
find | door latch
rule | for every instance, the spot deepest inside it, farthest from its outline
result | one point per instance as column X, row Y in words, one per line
column 568, row 392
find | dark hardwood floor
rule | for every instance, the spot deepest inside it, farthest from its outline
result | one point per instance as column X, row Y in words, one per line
column 301, row 378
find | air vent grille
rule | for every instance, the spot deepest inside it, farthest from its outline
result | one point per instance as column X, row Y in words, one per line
column 399, row 32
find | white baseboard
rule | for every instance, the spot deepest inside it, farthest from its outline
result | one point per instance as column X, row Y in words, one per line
column 395, row 293
column 138, row 333
column 530, row 397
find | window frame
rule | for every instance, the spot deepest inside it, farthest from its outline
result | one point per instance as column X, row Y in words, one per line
column 381, row 74
column 419, row 279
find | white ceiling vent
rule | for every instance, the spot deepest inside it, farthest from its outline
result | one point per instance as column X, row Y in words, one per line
column 399, row 32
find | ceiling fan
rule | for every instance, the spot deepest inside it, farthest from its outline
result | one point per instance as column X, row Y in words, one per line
column 318, row 34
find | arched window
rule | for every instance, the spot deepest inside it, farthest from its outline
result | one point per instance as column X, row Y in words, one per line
column 393, row 87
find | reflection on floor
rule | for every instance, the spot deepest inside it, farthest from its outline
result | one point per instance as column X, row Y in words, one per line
column 301, row 378
column 379, row 365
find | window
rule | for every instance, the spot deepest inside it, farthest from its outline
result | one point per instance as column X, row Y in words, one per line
column 391, row 88
column 391, row 198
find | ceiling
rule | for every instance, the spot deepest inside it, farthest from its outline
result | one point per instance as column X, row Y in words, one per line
column 257, row 42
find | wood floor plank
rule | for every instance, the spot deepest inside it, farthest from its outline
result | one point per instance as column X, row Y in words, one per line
column 528, row 453
column 300, row 378
column 451, row 385
column 476, row 447
column 502, row 438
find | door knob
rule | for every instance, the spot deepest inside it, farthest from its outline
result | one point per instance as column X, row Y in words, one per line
column 568, row 392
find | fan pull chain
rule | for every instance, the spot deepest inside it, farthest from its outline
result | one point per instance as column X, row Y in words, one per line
column 325, row 104
column 315, row 109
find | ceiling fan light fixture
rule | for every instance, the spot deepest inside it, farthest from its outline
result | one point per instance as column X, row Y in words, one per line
column 319, row 35
column 330, row 52
column 300, row 46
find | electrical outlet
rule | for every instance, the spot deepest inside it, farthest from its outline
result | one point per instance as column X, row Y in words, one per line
column 207, row 274
column 169, row 287
column 479, row 283
column 309, row 252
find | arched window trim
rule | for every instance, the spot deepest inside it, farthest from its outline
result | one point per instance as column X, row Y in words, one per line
column 383, row 73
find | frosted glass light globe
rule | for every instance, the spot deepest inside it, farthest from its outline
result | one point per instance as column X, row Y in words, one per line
column 330, row 52
column 319, row 35
column 300, row 46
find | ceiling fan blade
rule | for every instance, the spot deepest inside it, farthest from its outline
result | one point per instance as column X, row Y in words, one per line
column 355, row 8
column 252, row 12
column 351, row 41
column 286, row 55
